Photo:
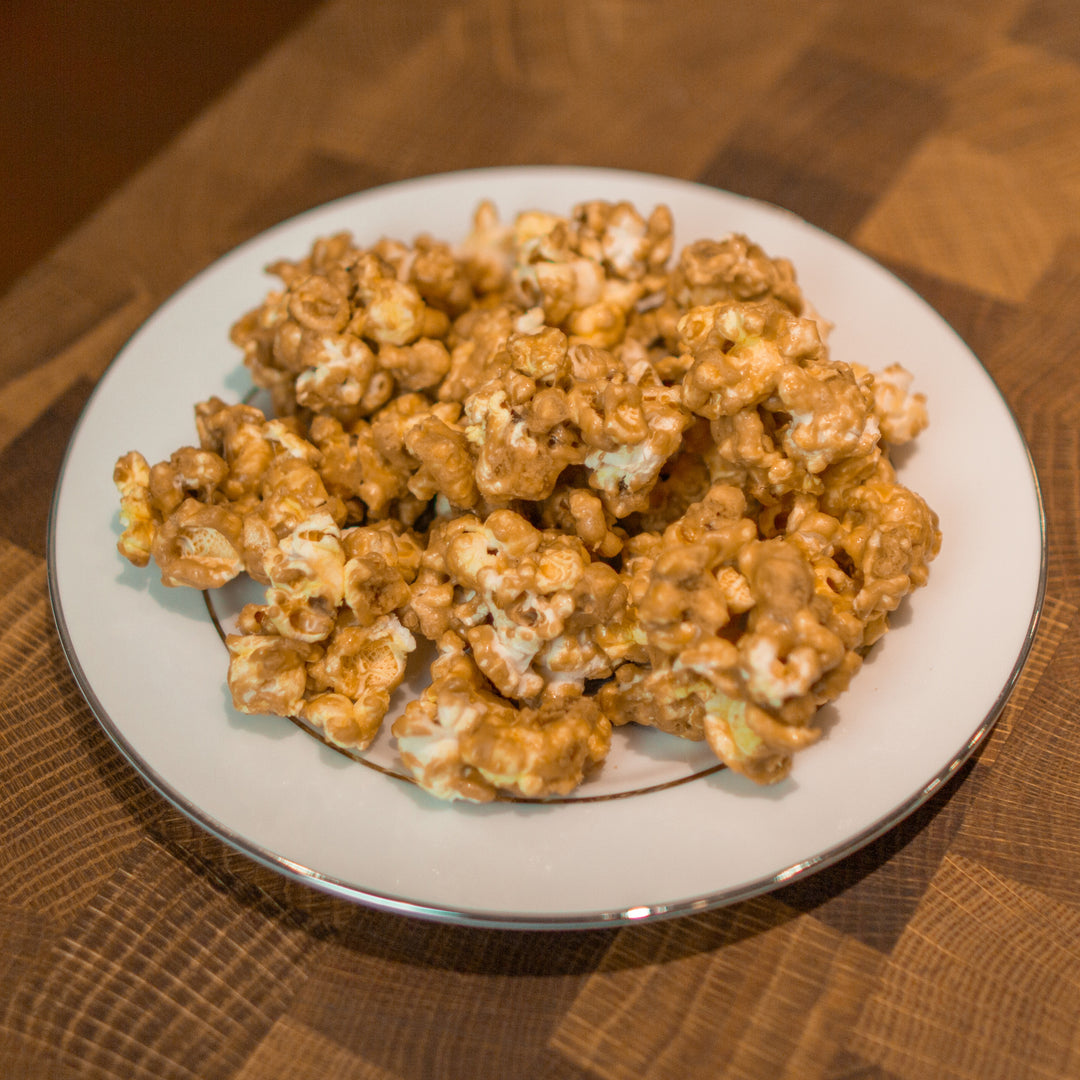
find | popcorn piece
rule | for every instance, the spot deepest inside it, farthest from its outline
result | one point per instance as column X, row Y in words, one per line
column 486, row 251
column 354, row 679
column 618, row 236
column 318, row 304
column 188, row 473
column 378, row 572
column 477, row 343
column 132, row 478
column 511, row 462
column 530, row 603
column 662, row 698
column 734, row 268
column 891, row 535
column 460, row 740
column 441, row 278
column 831, row 417
column 747, row 740
column 420, row 366
column 580, row 512
column 901, row 414
column 740, row 351
column 446, row 465
column 394, row 314
column 306, row 572
column 199, row 546
column 338, row 376
column 267, row 673
column 292, row 490
column 681, row 702
column 237, row 433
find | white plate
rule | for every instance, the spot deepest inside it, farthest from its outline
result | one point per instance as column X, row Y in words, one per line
column 152, row 666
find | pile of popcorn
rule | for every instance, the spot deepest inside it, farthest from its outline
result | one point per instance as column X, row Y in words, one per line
column 613, row 485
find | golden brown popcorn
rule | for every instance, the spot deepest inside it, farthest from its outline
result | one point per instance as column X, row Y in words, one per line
column 683, row 480
column 441, row 278
column 561, row 289
column 350, row 685
column 891, row 536
column 749, row 741
column 901, row 414
column 616, row 235
column 199, row 546
column 394, row 312
column 336, row 377
column 587, row 274
column 460, row 740
column 355, row 469
column 267, row 673
column 189, row 473
column 477, row 343
column 511, row 461
column 420, row 366
column 745, row 454
column 392, row 541
column 624, row 472
column 680, row 701
column 327, row 252
column 345, row 469
column 734, row 268
column 292, row 490
column 750, row 636
column 258, row 334
column 684, row 585
column 318, row 304
column 582, row 513
column 529, row 602
column 390, row 426
column 684, row 601
column 663, row 698
column 132, row 478
column 314, row 345
column 306, row 573
column 446, row 464
column 382, row 561
column 486, row 253
column 237, row 433
column 831, row 415
column 431, row 598
column 614, row 489
column 740, row 351
column 787, row 647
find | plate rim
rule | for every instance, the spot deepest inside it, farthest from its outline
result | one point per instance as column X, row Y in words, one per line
column 491, row 918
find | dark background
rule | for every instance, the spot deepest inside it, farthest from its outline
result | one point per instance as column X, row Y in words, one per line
column 91, row 89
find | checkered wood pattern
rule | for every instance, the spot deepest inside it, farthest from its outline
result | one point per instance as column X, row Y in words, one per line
column 942, row 139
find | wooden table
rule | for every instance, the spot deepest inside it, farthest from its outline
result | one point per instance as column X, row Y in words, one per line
column 944, row 140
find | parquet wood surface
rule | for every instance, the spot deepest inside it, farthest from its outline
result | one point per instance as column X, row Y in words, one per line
column 944, row 140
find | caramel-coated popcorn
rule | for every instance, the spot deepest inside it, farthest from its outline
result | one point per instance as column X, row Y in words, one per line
column 613, row 484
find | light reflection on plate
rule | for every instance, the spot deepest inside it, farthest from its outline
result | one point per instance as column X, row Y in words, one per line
column 151, row 663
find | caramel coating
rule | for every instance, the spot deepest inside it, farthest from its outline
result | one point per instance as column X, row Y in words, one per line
column 527, row 601
column 461, row 740
column 132, row 478
column 199, row 546
column 733, row 268
column 267, row 673
column 351, row 683
column 342, row 687
column 615, row 483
